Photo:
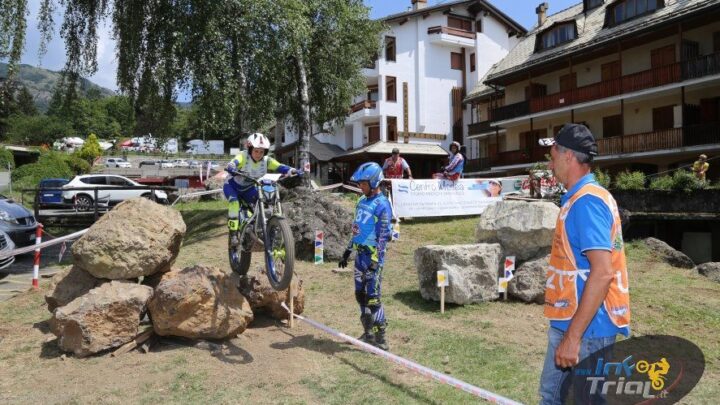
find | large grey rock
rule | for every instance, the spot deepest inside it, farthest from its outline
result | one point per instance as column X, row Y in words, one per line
column 264, row 299
column 137, row 238
column 309, row 211
column 106, row 317
column 472, row 271
column 69, row 284
column 199, row 302
column 710, row 270
column 528, row 285
column 669, row 255
column 524, row 229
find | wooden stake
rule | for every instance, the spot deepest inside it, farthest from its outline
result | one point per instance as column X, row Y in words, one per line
column 291, row 304
column 442, row 300
column 139, row 339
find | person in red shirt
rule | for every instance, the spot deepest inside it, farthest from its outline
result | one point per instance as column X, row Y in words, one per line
column 395, row 166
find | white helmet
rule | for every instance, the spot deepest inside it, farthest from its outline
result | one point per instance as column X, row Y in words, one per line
column 258, row 140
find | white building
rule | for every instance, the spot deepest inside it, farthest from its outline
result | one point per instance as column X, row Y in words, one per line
column 432, row 57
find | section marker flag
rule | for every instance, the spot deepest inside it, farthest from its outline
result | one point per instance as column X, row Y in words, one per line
column 319, row 246
column 508, row 273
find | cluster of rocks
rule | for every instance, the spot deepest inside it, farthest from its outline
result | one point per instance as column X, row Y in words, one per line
column 676, row 258
column 310, row 211
column 123, row 270
column 508, row 228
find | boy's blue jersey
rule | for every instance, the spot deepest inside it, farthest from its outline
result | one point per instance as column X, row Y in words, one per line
column 372, row 227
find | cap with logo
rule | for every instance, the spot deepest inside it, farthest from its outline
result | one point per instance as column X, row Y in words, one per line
column 576, row 137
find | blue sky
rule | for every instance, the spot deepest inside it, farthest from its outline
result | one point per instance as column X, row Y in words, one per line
column 522, row 11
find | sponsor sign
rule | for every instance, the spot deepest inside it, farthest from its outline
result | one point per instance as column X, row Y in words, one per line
column 442, row 278
column 436, row 197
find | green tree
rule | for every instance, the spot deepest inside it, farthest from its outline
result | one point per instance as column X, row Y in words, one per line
column 26, row 102
column 90, row 149
column 37, row 129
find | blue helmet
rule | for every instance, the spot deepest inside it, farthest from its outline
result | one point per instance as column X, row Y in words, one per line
column 370, row 172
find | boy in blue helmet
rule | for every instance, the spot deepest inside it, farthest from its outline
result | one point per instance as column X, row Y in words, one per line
column 371, row 233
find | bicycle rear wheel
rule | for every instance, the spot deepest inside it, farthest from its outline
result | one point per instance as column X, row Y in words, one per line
column 279, row 253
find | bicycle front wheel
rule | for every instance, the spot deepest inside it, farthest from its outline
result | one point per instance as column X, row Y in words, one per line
column 279, row 253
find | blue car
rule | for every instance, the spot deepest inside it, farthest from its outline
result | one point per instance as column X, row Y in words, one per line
column 50, row 198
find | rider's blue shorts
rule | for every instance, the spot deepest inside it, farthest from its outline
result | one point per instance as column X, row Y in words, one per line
column 234, row 192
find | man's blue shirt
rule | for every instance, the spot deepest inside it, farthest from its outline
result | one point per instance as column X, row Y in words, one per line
column 588, row 226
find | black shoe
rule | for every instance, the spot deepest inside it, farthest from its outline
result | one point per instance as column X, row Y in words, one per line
column 380, row 341
column 367, row 337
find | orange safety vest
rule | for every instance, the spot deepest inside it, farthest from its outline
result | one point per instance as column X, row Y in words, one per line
column 394, row 170
column 561, row 292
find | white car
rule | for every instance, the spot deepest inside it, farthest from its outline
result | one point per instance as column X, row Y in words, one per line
column 181, row 163
column 117, row 162
column 6, row 245
column 83, row 200
column 167, row 164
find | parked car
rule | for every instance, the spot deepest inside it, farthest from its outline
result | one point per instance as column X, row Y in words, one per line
column 117, row 162
column 181, row 163
column 195, row 164
column 148, row 163
column 49, row 198
column 17, row 222
column 213, row 165
column 167, row 164
column 6, row 244
column 83, row 199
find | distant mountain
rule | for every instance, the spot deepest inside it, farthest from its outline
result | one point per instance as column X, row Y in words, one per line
column 41, row 83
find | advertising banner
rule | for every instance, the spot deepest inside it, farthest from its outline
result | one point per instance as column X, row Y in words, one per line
column 434, row 197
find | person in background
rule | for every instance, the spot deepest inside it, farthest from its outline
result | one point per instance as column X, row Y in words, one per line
column 395, row 166
column 454, row 169
column 700, row 167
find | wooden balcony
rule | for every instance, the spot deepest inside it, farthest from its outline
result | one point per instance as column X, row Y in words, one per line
column 480, row 128
column 362, row 105
column 451, row 31
column 510, row 111
column 476, row 165
column 694, row 135
column 660, row 76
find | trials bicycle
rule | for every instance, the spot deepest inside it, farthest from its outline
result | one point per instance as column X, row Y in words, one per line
column 267, row 226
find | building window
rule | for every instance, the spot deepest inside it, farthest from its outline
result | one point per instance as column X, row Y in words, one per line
column 568, row 82
column 716, row 42
column 612, row 126
column 591, row 4
column 392, row 129
column 628, row 9
column 472, row 62
column 478, row 26
column 390, row 89
column 390, row 49
column 459, row 23
column 556, row 35
column 456, row 61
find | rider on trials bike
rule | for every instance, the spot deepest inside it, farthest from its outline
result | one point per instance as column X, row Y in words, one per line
column 254, row 163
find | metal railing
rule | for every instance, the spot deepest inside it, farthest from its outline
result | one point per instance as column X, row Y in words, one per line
column 451, row 31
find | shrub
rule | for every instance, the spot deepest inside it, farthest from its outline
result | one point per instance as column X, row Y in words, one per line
column 91, row 149
column 603, row 178
column 630, row 181
column 662, row 183
column 49, row 165
column 6, row 159
column 77, row 164
column 682, row 180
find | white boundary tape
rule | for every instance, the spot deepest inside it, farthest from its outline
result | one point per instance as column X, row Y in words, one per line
column 52, row 242
column 427, row 372
column 197, row 193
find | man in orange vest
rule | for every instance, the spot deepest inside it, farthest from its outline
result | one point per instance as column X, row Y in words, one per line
column 587, row 298
column 395, row 166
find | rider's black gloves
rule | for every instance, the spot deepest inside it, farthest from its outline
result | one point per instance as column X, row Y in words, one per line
column 344, row 262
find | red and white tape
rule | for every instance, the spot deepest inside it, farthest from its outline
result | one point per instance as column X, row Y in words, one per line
column 420, row 369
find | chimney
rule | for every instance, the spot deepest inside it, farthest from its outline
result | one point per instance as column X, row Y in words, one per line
column 540, row 11
column 418, row 4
